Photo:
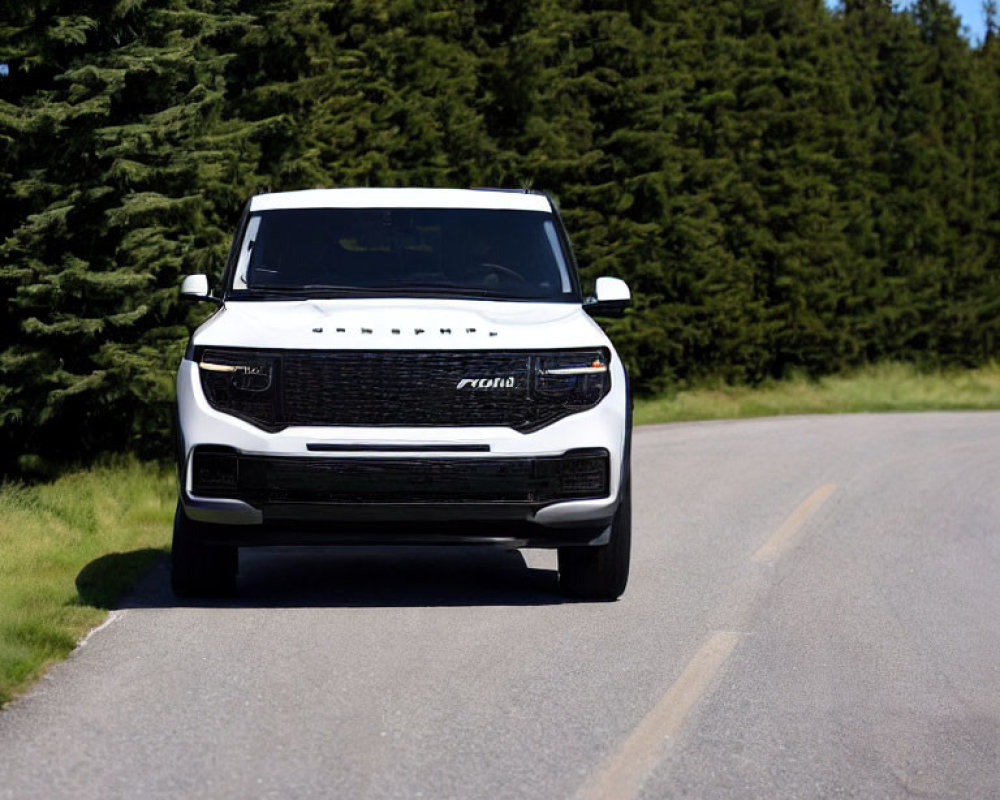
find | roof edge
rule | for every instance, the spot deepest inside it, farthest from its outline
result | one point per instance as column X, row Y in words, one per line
column 486, row 199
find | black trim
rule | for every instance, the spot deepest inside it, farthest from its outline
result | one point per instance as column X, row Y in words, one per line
column 208, row 298
column 606, row 308
column 180, row 449
column 233, row 257
column 397, row 448
column 626, row 471
column 300, row 483
column 413, row 526
column 563, row 233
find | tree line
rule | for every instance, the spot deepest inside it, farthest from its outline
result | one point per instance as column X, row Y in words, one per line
column 785, row 187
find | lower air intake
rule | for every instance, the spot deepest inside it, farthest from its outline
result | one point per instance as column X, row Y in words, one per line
column 269, row 480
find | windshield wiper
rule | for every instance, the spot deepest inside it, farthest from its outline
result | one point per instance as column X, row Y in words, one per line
column 440, row 288
column 306, row 290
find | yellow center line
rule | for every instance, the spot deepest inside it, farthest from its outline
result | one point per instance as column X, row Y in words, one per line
column 623, row 776
column 783, row 538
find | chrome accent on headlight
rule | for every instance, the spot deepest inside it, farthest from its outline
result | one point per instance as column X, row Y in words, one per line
column 593, row 368
column 576, row 379
column 241, row 383
column 217, row 367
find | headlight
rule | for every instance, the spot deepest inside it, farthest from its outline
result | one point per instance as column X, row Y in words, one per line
column 241, row 383
column 577, row 379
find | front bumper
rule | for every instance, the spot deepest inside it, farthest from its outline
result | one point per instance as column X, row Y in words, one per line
column 348, row 485
column 278, row 498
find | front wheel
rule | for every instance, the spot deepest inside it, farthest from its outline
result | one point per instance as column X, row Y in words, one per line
column 601, row 572
column 198, row 568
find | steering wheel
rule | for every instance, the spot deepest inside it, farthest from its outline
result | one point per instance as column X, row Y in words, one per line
column 500, row 269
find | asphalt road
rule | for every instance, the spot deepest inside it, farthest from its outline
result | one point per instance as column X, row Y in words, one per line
column 814, row 612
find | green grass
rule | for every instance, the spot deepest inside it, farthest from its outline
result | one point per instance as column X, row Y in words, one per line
column 889, row 387
column 68, row 550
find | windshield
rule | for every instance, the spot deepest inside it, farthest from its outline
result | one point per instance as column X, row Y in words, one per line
column 403, row 252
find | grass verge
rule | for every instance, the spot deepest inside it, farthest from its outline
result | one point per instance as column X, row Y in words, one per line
column 68, row 550
column 887, row 387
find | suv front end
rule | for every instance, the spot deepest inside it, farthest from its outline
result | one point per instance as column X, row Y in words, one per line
column 408, row 393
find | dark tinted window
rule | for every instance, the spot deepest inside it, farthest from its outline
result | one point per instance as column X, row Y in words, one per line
column 478, row 253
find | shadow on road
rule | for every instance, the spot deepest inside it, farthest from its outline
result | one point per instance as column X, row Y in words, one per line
column 281, row 577
column 105, row 580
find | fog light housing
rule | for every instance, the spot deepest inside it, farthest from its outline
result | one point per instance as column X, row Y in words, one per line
column 580, row 474
column 214, row 472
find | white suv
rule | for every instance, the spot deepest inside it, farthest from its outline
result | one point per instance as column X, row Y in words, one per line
column 403, row 366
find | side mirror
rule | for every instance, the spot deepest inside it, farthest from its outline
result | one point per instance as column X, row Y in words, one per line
column 611, row 298
column 195, row 287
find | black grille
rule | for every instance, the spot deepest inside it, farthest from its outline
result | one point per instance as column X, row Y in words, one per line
column 269, row 480
column 393, row 388
column 406, row 388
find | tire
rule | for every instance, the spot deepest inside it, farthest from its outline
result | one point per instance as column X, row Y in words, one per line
column 601, row 572
column 199, row 569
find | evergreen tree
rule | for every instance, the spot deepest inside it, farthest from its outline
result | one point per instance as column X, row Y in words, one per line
column 112, row 187
column 784, row 187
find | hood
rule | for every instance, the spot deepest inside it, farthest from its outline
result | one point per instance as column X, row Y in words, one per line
column 400, row 324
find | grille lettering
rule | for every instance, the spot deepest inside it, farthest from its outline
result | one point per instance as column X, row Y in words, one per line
column 487, row 383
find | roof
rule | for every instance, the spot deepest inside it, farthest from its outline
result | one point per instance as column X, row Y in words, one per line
column 402, row 198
